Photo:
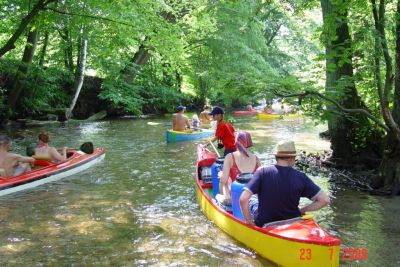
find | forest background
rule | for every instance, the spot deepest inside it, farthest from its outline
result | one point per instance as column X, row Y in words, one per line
column 338, row 59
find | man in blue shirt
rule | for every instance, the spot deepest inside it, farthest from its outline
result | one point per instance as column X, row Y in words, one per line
column 279, row 188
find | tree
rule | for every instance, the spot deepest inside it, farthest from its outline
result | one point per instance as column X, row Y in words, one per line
column 79, row 79
column 22, row 71
column 340, row 83
column 39, row 6
column 389, row 179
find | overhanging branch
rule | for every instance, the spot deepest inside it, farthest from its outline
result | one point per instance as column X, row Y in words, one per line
column 334, row 102
column 89, row 16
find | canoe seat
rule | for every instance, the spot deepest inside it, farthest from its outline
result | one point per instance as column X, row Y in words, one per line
column 227, row 208
column 40, row 163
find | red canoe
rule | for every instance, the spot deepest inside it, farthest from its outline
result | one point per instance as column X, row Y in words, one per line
column 45, row 172
column 246, row 112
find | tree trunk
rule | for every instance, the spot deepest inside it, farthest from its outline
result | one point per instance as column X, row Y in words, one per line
column 68, row 51
column 139, row 59
column 79, row 81
column 17, row 86
column 79, row 54
column 396, row 106
column 44, row 49
column 39, row 6
column 339, row 77
column 389, row 178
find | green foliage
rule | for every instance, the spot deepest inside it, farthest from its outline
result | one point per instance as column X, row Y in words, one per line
column 155, row 90
column 43, row 89
column 122, row 95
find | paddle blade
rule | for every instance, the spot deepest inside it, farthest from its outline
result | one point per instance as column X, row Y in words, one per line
column 87, row 147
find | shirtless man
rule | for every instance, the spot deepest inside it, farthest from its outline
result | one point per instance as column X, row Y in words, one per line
column 12, row 164
column 180, row 121
column 205, row 118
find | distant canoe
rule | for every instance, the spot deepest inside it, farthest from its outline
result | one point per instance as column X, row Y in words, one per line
column 246, row 112
column 266, row 116
column 179, row 136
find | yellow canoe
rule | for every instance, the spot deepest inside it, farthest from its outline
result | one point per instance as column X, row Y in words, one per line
column 300, row 243
column 266, row 116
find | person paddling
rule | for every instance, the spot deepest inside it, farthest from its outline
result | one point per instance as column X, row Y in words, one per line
column 44, row 151
column 274, row 192
column 224, row 132
column 235, row 163
column 179, row 120
column 205, row 118
column 12, row 164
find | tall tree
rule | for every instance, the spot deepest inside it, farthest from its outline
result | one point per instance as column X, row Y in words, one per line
column 389, row 179
column 339, row 77
column 22, row 71
column 78, row 79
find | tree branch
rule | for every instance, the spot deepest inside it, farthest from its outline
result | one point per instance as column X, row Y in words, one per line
column 39, row 6
column 339, row 106
column 90, row 16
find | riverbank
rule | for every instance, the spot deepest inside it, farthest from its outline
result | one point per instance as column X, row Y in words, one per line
column 319, row 164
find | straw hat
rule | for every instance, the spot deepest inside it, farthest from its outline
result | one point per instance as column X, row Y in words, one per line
column 285, row 149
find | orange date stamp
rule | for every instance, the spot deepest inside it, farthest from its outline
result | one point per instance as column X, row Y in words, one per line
column 348, row 254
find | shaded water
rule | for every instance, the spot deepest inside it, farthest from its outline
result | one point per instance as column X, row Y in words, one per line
column 138, row 207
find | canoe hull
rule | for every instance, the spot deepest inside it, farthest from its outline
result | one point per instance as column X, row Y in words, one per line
column 265, row 116
column 78, row 162
column 286, row 245
column 177, row 136
column 245, row 112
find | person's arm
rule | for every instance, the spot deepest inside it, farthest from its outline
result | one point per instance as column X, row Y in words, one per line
column 173, row 122
column 244, row 205
column 320, row 201
column 54, row 154
column 258, row 164
column 187, row 122
column 23, row 159
column 223, row 182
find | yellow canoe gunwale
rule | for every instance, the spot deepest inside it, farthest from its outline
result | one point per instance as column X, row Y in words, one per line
column 282, row 250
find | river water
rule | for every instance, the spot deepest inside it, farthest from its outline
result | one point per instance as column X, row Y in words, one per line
column 138, row 207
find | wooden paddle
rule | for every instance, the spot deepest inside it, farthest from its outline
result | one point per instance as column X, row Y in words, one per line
column 215, row 149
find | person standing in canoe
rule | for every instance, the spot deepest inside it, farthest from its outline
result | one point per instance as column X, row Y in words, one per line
column 12, row 164
column 279, row 188
column 179, row 120
column 237, row 162
column 44, row 151
column 224, row 132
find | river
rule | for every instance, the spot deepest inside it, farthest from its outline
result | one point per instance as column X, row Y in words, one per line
column 138, row 207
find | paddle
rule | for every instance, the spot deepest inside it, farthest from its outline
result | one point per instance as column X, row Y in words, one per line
column 86, row 147
column 297, row 219
column 215, row 149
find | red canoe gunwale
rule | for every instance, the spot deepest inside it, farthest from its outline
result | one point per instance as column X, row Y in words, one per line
column 246, row 112
column 76, row 160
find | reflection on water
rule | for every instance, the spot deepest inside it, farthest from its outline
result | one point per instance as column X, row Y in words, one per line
column 138, row 207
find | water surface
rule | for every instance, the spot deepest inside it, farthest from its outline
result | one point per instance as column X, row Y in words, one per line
column 138, row 207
